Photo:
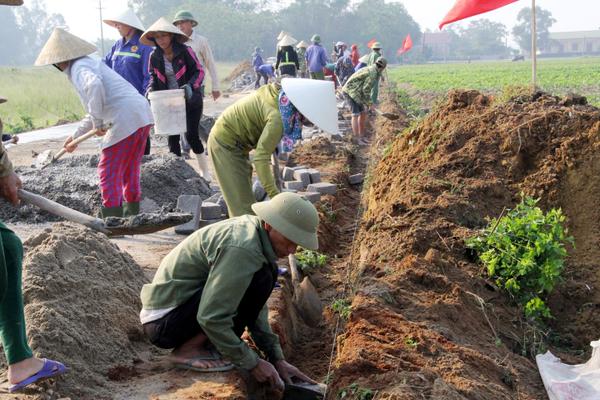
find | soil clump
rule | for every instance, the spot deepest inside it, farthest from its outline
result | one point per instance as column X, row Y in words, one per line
column 81, row 296
column 73, row 182
column 425, row 322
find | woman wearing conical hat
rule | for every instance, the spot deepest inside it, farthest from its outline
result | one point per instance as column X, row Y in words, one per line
column 272, row 114
column 116, row 109
column 301, row 51
column 128, row 57
column 173, row 65
column 287, row 58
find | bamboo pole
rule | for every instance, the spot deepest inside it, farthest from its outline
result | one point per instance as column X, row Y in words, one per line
column 533, row 46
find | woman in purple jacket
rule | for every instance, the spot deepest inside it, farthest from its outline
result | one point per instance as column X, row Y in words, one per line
column 173, row 65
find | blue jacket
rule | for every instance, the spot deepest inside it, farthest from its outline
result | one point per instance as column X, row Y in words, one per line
column 266, row 69
column 130, row 60
column 257, row 61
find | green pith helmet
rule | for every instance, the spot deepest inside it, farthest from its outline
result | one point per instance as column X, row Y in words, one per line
column 376, row 46
column 293, row 216
column 315, row 39
column 185, row 15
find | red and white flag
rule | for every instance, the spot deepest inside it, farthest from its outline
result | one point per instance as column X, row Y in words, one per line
column 407, row 44
column 468, row 8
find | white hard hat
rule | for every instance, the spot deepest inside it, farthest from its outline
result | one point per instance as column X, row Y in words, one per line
column 63, row 46
column 126, row 17
column 315, row 99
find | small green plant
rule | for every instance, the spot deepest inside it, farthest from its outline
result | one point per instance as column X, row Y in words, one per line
column 411, row 342
column 342, row 307
column 524, row 251
column 356, row 391
column 310, row 260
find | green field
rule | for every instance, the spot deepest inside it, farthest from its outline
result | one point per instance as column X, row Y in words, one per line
column 40, row 97
column 557, row 76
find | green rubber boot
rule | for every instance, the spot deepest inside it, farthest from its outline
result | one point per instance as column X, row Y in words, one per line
column 111, row 212
column 131, row 209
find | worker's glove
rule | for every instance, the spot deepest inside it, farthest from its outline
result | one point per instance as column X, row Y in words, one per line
column 188, row 92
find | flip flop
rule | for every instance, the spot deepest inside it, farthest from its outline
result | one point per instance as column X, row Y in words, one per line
column 212, row 356
column 50, row 369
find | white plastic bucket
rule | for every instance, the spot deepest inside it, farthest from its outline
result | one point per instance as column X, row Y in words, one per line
column 168, row 108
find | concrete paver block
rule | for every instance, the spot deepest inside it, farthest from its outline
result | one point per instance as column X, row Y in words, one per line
column 315, row 175
column 356, row 179
column 288, row 174
column 313, row 197
column 294, row 185
column 303, row 176
column 210, row 210
column 189, row 204
column 206, row 222
column 322, row 187
column 296, row 168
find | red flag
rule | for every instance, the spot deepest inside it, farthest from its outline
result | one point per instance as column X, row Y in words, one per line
column 406, row 45
column 467, row 8
column 371, row 42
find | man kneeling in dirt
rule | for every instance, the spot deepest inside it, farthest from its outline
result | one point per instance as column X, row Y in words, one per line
column 216, row 283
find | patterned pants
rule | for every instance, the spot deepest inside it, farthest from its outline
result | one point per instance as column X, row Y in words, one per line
column 119, row 169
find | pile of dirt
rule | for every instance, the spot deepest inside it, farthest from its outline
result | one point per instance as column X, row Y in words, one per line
column 82, row 302
column 242, row 76
column 73, row 182
column 425, row 321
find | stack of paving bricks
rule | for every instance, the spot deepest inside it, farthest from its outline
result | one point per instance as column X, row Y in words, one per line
column 205, row 212
column 306, row 182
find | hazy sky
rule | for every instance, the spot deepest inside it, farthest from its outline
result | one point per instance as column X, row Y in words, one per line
column 571, row 15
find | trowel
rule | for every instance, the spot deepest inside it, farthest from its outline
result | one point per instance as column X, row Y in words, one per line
column 137, row 225
column 305, row 298
column 47, row 157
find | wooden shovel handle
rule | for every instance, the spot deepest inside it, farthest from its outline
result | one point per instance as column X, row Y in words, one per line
column 80, row 139
column 62, row 211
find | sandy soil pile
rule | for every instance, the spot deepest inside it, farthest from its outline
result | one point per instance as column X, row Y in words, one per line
column 73, row 182
column 81, row 306
column 425, row 322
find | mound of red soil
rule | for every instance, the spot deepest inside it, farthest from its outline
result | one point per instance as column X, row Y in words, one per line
column 425, row 322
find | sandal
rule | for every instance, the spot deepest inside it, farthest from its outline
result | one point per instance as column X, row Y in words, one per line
column 213, row 355
column 50, row 369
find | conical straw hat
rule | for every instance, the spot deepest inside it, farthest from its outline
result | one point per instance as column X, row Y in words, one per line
column 126, row 17
column 302, row 44
column 162, row 25
column 315, row 99
column 11, row 2
column 281, row 35
column 63, row 46
column 287, row 40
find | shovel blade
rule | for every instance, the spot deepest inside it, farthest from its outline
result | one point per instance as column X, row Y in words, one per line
column 309, row 303
column 145, row 223
column 44, row 159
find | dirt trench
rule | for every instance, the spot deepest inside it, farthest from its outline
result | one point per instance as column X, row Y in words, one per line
column 425, row 322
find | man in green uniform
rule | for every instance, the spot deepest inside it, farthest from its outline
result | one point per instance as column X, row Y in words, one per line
column 23, row 368
column 272, row 114
column 357, row 92
column 373, row 57
column 216, row 283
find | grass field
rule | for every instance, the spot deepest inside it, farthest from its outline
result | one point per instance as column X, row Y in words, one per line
column 40, row 97
column 557, row 76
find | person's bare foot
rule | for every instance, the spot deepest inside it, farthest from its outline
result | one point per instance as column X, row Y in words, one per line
column 22, row 370
column 194, row 353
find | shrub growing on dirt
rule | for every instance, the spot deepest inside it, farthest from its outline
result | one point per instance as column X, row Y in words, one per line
column 310, row 260
column 524, row 251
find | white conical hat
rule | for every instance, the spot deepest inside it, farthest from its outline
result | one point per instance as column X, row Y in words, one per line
column 315, row 99
column 126, row 17
column 287, row 40
column 302, row 44
column 63, row 46
column 281, row 35
column 11, row 2
column 162, row 25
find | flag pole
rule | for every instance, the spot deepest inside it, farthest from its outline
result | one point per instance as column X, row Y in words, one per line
column 533, row 46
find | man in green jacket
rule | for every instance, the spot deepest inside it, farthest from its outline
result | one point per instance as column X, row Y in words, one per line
column 357, row 92
column 373, row 57
column 272, row 114
column 216, row 283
